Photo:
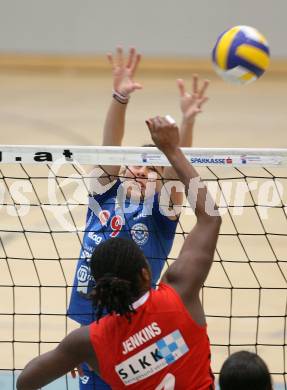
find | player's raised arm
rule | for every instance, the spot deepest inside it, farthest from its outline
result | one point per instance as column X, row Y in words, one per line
column 191, row 102
column 188, row 273
column 123, row 70
column 74, row 349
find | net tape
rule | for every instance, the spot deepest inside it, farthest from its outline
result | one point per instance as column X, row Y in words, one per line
column 117, row 155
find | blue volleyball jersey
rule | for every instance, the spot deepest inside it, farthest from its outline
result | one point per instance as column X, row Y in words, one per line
column 152, row 231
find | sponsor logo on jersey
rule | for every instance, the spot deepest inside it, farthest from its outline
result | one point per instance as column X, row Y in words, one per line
column 86, row 255
column 140, row 233
column 83, row 274
column 95, row 237
column 141, row 337
column 152, row 359
column 84, row 277
column 140, row 215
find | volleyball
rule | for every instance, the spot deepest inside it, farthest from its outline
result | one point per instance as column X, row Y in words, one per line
column 241, row 55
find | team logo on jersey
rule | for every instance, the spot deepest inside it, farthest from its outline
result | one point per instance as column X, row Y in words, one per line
column 152, row 359
column 83, row 274
column 140, row 233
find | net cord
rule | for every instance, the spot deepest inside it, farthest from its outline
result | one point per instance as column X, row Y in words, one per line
column 118, row 155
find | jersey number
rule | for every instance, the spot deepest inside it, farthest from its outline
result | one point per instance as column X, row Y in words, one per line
column 116, row 225
column 168, row 383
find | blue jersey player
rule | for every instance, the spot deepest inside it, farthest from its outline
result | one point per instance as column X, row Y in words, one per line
column 137, row 215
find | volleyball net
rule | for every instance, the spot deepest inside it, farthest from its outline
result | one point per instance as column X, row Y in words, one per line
column 44, row 200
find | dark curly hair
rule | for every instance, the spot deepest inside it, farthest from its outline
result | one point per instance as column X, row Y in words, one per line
column 116, row 266
column 245, row 370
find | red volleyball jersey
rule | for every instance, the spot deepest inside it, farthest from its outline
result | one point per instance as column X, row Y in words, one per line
column 162, row 348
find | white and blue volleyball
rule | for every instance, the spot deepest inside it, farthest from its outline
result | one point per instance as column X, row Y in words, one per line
column 241, row 55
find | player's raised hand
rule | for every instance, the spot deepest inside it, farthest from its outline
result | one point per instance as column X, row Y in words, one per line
column 164, row 133
column 124, row 70
column 191, row 102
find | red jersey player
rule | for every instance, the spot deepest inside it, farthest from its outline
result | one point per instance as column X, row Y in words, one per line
column 152, row 339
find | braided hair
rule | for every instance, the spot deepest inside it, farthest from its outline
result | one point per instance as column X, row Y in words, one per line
column 116, row 266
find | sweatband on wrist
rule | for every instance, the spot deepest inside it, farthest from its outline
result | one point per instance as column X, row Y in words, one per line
column 170, row 119
column 120, row 98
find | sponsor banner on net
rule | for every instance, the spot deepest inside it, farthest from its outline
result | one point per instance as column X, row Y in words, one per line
column 200, row 160
column 258, row 160
column 86, row 155
column 234, row 160
column 153, row 158
column 152, row 359
column 215, row 160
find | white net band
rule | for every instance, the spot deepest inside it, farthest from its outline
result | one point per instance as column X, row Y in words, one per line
column 117, row 155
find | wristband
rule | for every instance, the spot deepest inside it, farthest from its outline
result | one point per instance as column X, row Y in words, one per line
column 120, row 98
column 170, row 119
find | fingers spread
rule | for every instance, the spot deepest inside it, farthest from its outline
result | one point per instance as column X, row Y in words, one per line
column 131, row 56
column 203, row 88
column 202, row 101
column 181, row 87
column 194, row 83
column 137, row 86
column 134, row 65
column 119, row 56
column 110, row 59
